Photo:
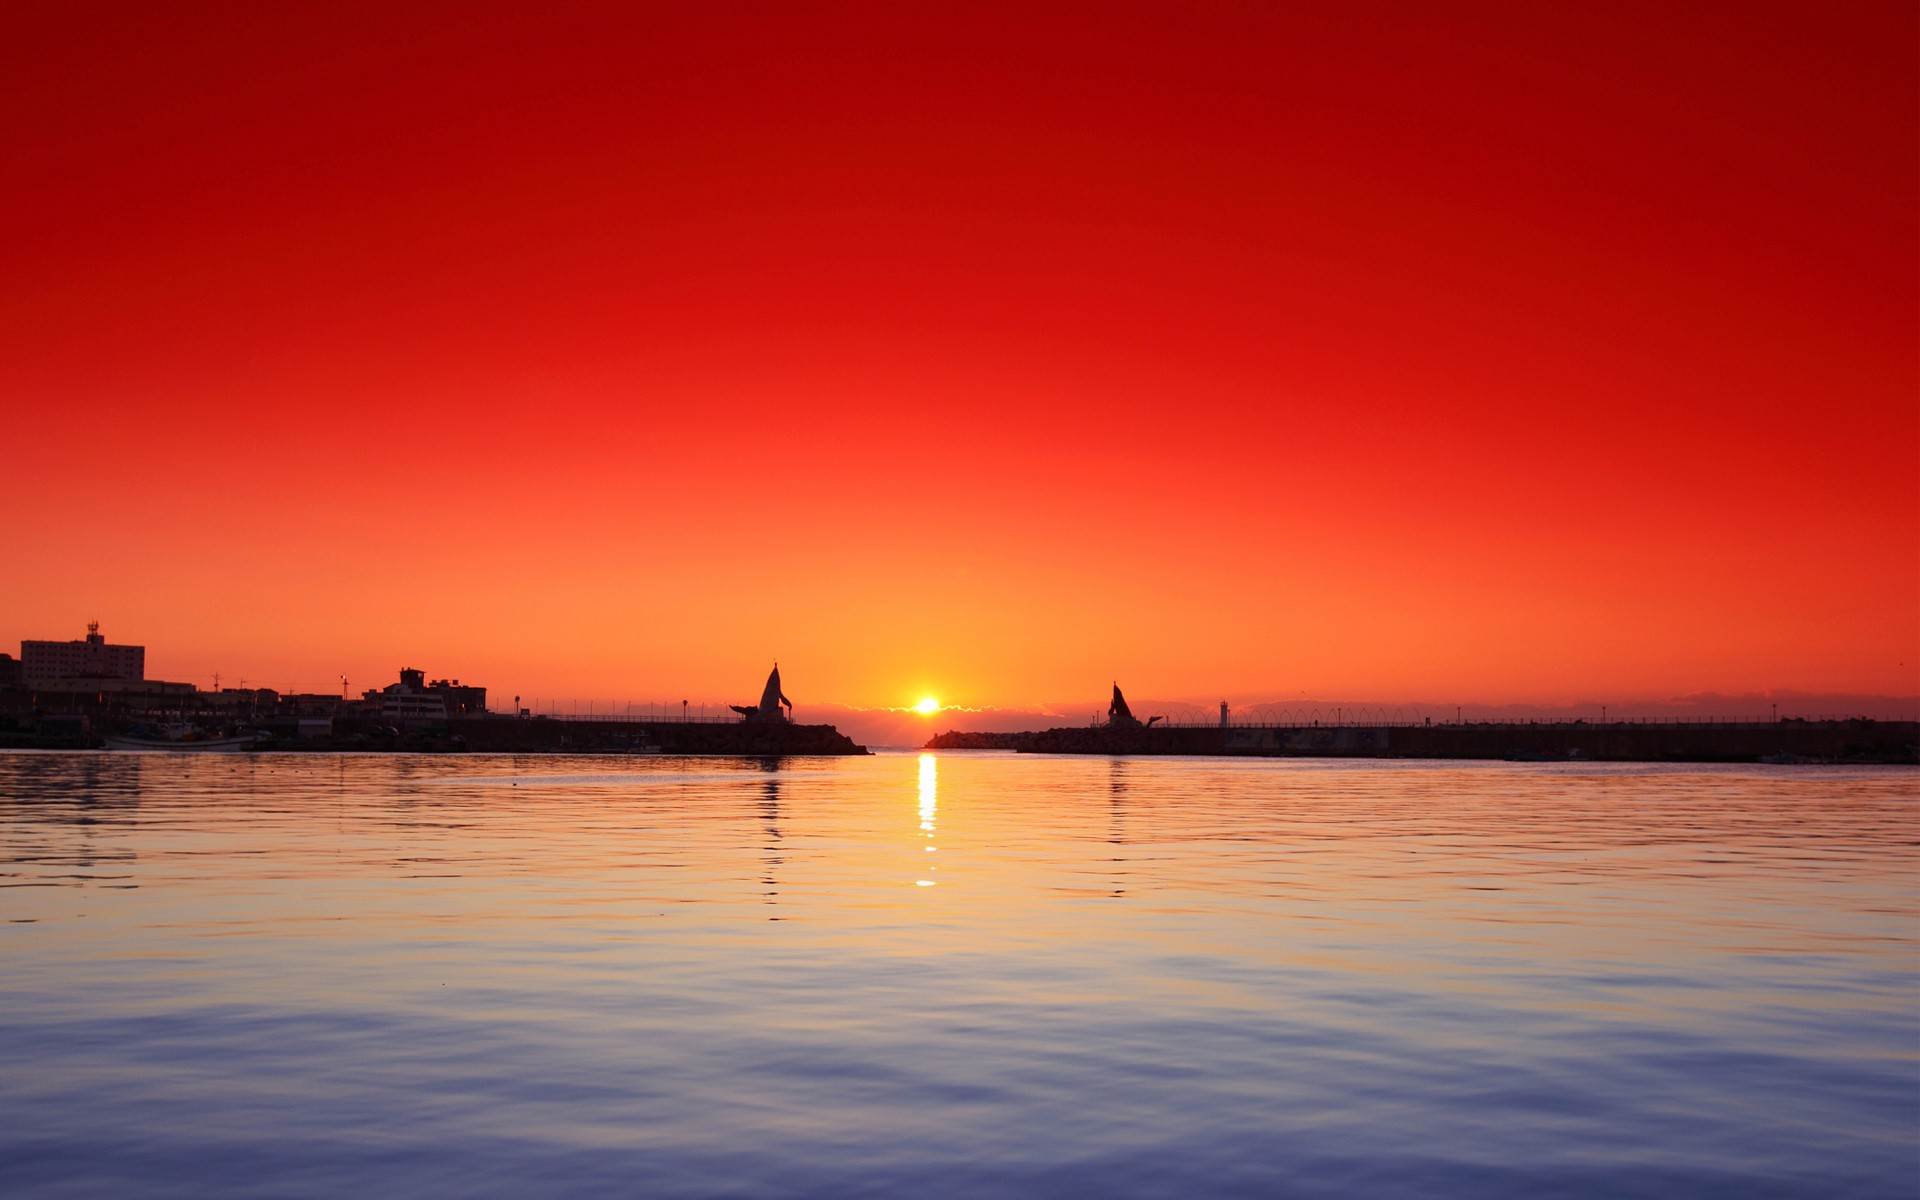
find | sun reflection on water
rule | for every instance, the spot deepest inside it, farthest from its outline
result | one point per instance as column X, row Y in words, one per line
column 929, row 806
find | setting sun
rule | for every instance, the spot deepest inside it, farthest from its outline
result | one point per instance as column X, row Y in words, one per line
column 927, row 706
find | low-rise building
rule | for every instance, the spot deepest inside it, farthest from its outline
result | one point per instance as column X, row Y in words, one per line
column 414, row 701
column 94, row 657
column 461, row 699
column 247, row 699
column 311, row 704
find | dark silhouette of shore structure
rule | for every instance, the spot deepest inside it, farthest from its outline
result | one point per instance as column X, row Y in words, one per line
column 765, row 730
column 769, row 709
column 756, row 739
column 412, row 715
column 1790, row 740
column 1119, row 716
column 79, row 709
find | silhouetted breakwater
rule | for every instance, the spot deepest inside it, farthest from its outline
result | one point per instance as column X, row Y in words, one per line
column 532, row 735
column 1778, row 741
column 536, row 736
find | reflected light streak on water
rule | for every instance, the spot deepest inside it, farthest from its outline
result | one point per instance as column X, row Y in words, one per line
column 929, row 805
column 303, row 975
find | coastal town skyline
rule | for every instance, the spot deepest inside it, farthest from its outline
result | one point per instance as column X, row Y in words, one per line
column 62, row 665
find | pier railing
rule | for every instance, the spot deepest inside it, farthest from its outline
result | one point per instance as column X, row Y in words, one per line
column 642, row 716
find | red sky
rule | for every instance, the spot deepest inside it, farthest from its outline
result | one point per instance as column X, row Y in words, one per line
column 1520, row 352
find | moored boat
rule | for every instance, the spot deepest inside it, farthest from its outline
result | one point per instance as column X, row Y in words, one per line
column 182, row 739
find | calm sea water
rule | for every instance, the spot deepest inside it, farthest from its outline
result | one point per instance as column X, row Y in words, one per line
column 956, row 975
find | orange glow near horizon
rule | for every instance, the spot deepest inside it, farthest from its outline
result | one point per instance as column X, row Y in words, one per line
column 1516, row 356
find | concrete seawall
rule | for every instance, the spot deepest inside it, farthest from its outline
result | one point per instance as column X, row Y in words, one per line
column 1808, row 741
column 672, row 737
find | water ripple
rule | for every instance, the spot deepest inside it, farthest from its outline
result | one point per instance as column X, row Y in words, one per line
column 958, row 975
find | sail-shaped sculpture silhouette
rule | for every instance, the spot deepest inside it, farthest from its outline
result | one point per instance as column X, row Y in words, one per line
column 771, row 698
column 1120, row 716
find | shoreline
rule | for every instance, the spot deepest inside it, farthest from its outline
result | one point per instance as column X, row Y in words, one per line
column 1788, row 742
column 507, row 735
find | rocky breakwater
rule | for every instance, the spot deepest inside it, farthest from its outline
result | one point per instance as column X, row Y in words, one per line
column 746, row 738
column 1786, row 741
